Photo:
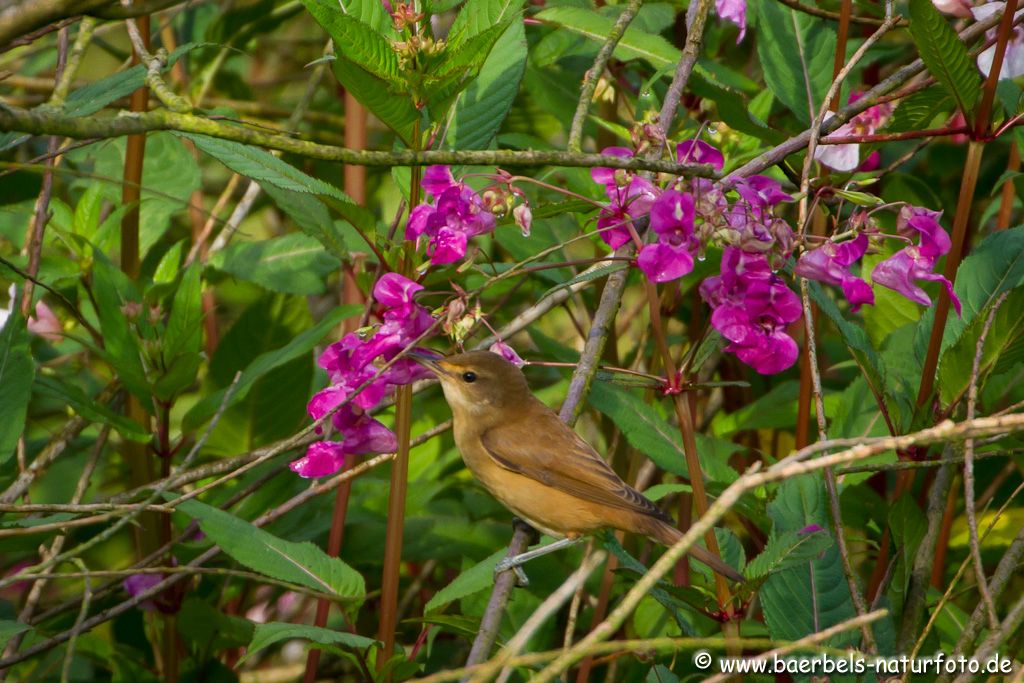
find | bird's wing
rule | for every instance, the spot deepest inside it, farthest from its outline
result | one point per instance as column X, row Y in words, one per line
column 564, row 461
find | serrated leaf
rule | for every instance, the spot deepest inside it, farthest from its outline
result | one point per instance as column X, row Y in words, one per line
column 920, row 109
column 272, row 632
column 814, row 595
column 945, row 55
column 1004, row 346
column 16, row 372
column 472, row 580
column 656, row 438
column 267, row 361
column 185, row 323
column 483, row 105
column 635, row 43
column 396, row 110
column 300, row 563
column 262, row 166
column 787, row 549
column 310, row 214
column 356, row 41
column 477, row 16
column 796, row 52
column 290, row 264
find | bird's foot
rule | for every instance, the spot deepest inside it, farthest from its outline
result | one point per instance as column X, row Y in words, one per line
column 508, row 564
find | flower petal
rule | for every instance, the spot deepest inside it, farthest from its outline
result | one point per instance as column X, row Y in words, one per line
column 322, row 459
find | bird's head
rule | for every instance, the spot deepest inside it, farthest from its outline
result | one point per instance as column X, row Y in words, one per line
column 477, row 382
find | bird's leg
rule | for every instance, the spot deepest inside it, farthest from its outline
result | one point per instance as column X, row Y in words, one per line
column 516, row 561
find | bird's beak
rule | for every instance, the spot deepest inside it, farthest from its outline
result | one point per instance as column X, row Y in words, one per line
column 429, row 362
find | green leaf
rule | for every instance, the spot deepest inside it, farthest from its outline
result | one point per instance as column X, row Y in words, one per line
column 169, row 176
column 16, row 371
column 167, row 270
column 920, row 109
column 89, row 99
column 291, row 264
column 945, row 55
column 787, row 549
column 312, row 217
column 275, row 631
column 356, row 41
column 300, row 563
column 656, row 438
column 262, row 166
column 185, row 323
column 891, row 310
column 635, row 43
column 1004, row 346
column 482, row 107
column 113, row 291
column 472, row 580
column 796, row 52
column 303, row 343
column 477, row 16
column 394, row 108
column 855, row 338
column 814, row 595
column 275, row 406
column 89, row 408
column 9, row 629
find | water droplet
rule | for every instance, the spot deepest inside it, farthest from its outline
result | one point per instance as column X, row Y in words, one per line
column 702, row 258
column 645, row 93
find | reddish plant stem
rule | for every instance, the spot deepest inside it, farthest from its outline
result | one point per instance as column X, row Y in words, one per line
column 845, row 13
column 399, row 484
column 988, row 92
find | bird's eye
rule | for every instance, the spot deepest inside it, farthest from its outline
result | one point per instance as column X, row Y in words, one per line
column 469, row 377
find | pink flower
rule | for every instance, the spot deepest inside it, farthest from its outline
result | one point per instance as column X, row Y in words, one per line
column 752, row 307
column 1013, row 58
column 507, row 352
column 734, row 11
column 762, row 192
column 901, row 271
column 830, row 263
column 958, row 8
column 672, row 220
column 663, row 262
column 523, row 216
column 45, row 323
column 457, row 214
column 698, row 152
column 846, row 158
column 322, row 458
column 631, row 197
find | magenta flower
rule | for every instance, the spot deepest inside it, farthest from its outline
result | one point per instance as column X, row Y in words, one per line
column 752, row 307
column 352, row 363
column 762, row 192
column 457, row 214
column 507, row 352
column 901, row 271
column 140, row 583
column 672, row 220
column 698, row 152
column 830, row 263
column 631, row 197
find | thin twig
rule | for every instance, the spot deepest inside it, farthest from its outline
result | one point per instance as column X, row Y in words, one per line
column 79, row 622
column 593, row 75
column 972, row 521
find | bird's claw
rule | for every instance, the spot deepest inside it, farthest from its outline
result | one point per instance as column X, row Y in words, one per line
column 508, row 564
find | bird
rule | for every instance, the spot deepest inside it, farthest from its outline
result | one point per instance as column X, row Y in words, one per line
column 537, row 466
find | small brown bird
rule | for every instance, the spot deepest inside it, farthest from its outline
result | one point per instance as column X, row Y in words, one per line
column 537, row 466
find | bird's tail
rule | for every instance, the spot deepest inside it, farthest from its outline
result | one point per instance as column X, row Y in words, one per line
column 668, row 535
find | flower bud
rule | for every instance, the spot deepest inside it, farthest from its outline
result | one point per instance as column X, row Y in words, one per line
column 523, row 217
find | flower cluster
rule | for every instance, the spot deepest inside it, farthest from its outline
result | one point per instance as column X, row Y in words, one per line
column 830, row 263
column 752, row 307
column 911, row 263
column 456, row 214
column 351, row 365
